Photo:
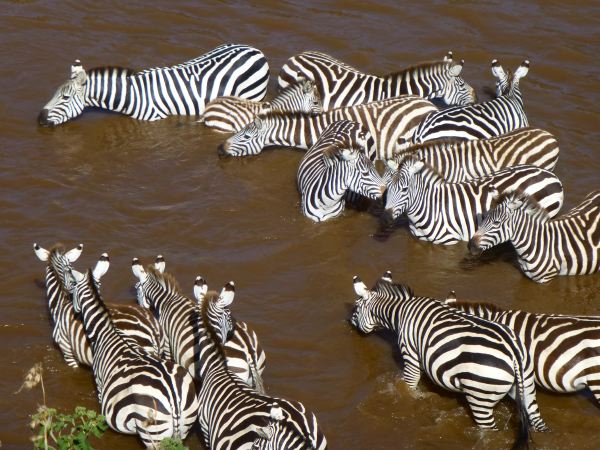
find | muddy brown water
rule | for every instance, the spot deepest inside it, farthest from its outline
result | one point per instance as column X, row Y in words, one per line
column 139, row 189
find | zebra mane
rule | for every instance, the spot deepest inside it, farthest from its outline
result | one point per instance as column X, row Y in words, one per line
column 428, row 171
column 416, row 148
column 397, row 291
column 129, row 72
column 167, row 280
column 487, row 306
column 419, row 66
column 530, row 205
column 212, row 334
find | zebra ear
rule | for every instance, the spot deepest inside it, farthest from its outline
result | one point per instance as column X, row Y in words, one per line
column 73, row 254
column 521, row 71
column 349, row 154
column 41, row 252
column 360, row 288
column 387, row 276
column 514, row 204
column 78, row 72
column 497, row 70
column 307, row 86
column 138, row 270
column 276, row 412
column 264, row 432
column 448, row 57
column 493, row 191
column 78, row 276
column 258, row 122
column 200, row 289
column 417, row 167
column 101, row 267
column 265, row 108
column 392, row 164
column 457, row 68
column 227, row 294
column 450, row 298
column 160, row 263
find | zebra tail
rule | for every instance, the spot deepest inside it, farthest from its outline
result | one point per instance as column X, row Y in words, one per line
column 524, row 435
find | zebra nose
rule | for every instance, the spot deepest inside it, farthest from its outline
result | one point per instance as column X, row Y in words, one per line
column 222, row 151
column 474, row 247
column 387, row 218
column 383, row 190
column 43, row 118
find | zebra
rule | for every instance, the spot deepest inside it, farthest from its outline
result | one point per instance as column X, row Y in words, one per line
column 177, row 315
column 336, row 164
column 156, row 93
column 342, row 85
column 481, row 120
column 565, row 245
column 458, row 160
column 391, row 123
column 232, row 415
column 460, row 352
column 231, row 114
column 138, row 393
column 446, row 213
column 138, row 326
column 565, row 350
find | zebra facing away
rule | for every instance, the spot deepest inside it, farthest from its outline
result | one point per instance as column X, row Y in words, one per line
column 156, row 93
column 390, row 122
column 231, row 114
column 481, row 120
column 481, row 359
column 233, row 416
column 336, row 164
column 342, row 85
column 446, row 213
column 138, row 326
column 138, row 393
column 565, row 350
column 565, row 245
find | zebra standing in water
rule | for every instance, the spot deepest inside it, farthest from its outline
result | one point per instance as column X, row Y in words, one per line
column 446, row 213
column 177, row 315
column 462, row 353
column 565, row 245
column 481, row 120
column 138, row 393
column 232, row 416
column 342, row 85
column 335, row 164
column 565, row 350
column 156, row 93
column 138, row 326
column 389, row 122
column 231, row 114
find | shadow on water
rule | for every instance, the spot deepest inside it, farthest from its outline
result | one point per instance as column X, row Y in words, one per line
column 503, row 252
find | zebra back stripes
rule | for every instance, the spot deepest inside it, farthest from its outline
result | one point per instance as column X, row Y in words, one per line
column 546, row 247
column 153, row 94
column 343, row 85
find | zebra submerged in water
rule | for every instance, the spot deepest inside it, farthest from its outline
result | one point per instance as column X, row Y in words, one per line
column 156, row 93
column 231, row 114
column 546, row 247
column 459, row 352
column 342, row 85
column 232, row 416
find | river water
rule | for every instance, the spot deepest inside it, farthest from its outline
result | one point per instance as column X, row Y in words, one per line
column 140, row 189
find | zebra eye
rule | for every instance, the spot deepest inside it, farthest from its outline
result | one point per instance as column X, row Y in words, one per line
column 66, row 97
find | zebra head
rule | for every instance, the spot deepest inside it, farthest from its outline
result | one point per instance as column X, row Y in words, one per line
column 362, row 314
column 507, row 85
column 456, row 91
column 141, row 286
column 59, row 261
column 218, row 312
column 311, row 100
column 68, row 101
column 250, row 140
column 399, row 181
column 496, row 227
column 90, row 280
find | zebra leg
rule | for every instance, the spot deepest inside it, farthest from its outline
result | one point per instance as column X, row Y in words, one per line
column 531, row 404
column 412, row 371
column 482, row 409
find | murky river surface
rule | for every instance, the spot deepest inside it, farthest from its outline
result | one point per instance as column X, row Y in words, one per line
column 139, row 189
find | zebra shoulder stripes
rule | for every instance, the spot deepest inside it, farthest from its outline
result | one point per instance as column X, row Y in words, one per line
column 391, row 122
column 336, row 164
column 546, row 247
column 481, row 120
column 156, row 93
column 138, row 393
column 231, row 114
column 462, row 353
column 232, row 416
column 446, row 213
column 137, row 325
column 343, row 85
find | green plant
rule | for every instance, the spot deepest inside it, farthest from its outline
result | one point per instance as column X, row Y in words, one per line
column 172, row 444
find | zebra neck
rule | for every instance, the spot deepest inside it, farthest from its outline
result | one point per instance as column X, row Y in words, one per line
column 387, row 313
column 296, row 130
column 96, row 320
column 530, row 236
column 58, row 302
column 212, row 358
column 424, row 81
column 109, row 88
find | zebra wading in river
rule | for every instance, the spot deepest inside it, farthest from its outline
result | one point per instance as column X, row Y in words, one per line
column 390, row 122
column 138, row 325
column 546, row 247
column 336, row 164
column 446, row 213
column 481, row 359
column 138, row 393
column 231, row 114
column 233, row 416
column 342, row 85
column 156, row 93
column 178, row 317
column 565, row 350
column 481, row 120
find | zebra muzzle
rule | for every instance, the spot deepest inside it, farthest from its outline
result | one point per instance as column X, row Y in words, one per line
column 43, row 118
column 474, row 247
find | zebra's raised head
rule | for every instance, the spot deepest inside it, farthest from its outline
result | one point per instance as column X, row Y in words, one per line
column 59, row 260
column 399, row 180
column 456, row 91
column 89, row 281
column 312, row 102
column 215, row 308
column 69, row 100
column 508, row 83
column 140, row 286
column 250, row 140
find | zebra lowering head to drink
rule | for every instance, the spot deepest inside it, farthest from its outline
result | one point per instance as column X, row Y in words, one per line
column 138, row 326
column 343, row 85
column 138, row 393
column 156, row 93
column 335, row 165
column 460, row 352
column 233, row 416
column 231, row 114
column 481, row 120
column 546, row 247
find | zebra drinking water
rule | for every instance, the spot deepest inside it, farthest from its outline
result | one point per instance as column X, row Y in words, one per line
column 342, row 85
column 565, row 245
column 156, row 93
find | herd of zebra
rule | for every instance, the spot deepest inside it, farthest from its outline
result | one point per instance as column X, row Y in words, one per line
column 458, row 169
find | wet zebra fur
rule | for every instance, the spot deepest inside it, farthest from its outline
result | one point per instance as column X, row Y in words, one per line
column 156, row 93
column 546, row 247
column 343, row 85
column 232, row 416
